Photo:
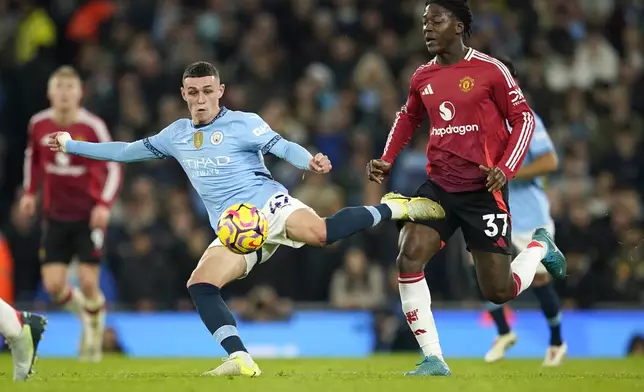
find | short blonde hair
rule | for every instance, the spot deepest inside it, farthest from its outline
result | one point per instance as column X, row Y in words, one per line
column 65, row 71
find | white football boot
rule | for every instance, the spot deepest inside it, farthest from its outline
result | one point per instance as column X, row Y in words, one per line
column 501, row 344
column 555, row 355
column 238, row 363
column 24, row 347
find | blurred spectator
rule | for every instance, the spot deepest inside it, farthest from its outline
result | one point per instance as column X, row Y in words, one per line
column 262, row 304
column 359, row 285
column 35, row 31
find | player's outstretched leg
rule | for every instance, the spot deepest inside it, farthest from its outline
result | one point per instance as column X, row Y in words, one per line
column 219, row 266
column 23, row 332
column 93, row 314
column 550, row 305
column 304, row 225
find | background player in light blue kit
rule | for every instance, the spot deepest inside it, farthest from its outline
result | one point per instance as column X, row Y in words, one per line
column 222, row 151
column 530, row 210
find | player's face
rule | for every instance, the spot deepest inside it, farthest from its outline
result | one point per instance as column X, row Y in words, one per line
column 440, row 28
column 64, row 92
column 202, row 96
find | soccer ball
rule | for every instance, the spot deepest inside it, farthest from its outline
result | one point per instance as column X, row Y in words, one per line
column 242, row 228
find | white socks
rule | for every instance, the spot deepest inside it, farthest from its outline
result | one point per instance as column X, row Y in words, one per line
column 524, row 266
column 10, row 323
column 94, row 306
column 72, row 300
column 416, row 304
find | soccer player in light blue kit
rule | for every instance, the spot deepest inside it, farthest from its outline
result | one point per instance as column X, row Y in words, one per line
column 530, row 211
column 222, row 151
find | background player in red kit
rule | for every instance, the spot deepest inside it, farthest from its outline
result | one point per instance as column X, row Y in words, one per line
column 77, row 196
column 470, row 98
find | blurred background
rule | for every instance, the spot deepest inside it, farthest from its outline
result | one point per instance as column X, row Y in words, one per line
column 330, row 75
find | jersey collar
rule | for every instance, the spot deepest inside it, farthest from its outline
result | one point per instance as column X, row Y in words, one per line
column 221, row 113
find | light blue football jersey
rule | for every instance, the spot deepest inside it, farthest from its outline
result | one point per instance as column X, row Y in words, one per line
column 529, row 203
column 223, row 159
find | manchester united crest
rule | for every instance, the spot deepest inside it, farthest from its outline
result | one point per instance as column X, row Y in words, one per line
column 197, row 139
column 466, row 84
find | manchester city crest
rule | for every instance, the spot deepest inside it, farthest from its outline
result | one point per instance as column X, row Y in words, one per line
column 216, row 138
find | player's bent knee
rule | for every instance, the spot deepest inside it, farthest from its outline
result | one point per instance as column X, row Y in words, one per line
column 497, row 297
column 54, row 278
column 54, row 287
column 497, row 294
column 218, row 266
column 417, row 245
column 317, row 232
column 88, row 286
column 88, row 277
column 304, row 225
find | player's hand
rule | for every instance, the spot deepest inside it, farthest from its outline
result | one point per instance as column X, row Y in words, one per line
column 320, row 164
column 27, row 205
column 495, row 178
column 56, row 141
column 377, row 170
column 100, row 217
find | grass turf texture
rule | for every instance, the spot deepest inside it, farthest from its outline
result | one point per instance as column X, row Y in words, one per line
column 382, row 373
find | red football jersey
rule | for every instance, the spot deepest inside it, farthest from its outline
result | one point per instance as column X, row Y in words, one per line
column 72, row 185
column 470, row 105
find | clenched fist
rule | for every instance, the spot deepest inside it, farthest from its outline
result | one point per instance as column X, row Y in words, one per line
column 56, row 141
column 377, row 170
column 320, row 164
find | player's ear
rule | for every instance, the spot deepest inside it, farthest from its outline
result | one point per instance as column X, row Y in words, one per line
column 183, row 94
column 222, row 87
column 460, row 27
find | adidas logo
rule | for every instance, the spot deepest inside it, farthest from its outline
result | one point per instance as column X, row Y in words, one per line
column 428, row 90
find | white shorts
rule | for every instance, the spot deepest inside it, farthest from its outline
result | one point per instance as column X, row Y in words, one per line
column 277, row 210
column 522, row 239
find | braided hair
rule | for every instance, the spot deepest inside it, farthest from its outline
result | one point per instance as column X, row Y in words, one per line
column 461, row 11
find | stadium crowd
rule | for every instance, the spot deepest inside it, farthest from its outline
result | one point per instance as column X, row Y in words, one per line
column 329, row 74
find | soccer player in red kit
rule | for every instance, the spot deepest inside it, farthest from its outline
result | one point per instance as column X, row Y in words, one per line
column 77, row 195
column 470, row 98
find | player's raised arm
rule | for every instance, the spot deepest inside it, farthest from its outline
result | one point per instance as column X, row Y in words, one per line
column 407, row 120
column 264, row 139
column 545, row 160
column 114, row 178
column 153, row 147
column 510, row 100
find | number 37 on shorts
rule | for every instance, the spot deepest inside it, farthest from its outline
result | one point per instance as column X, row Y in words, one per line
column 495, row 223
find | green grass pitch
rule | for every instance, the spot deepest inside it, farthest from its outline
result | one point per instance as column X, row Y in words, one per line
column 381, row 373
